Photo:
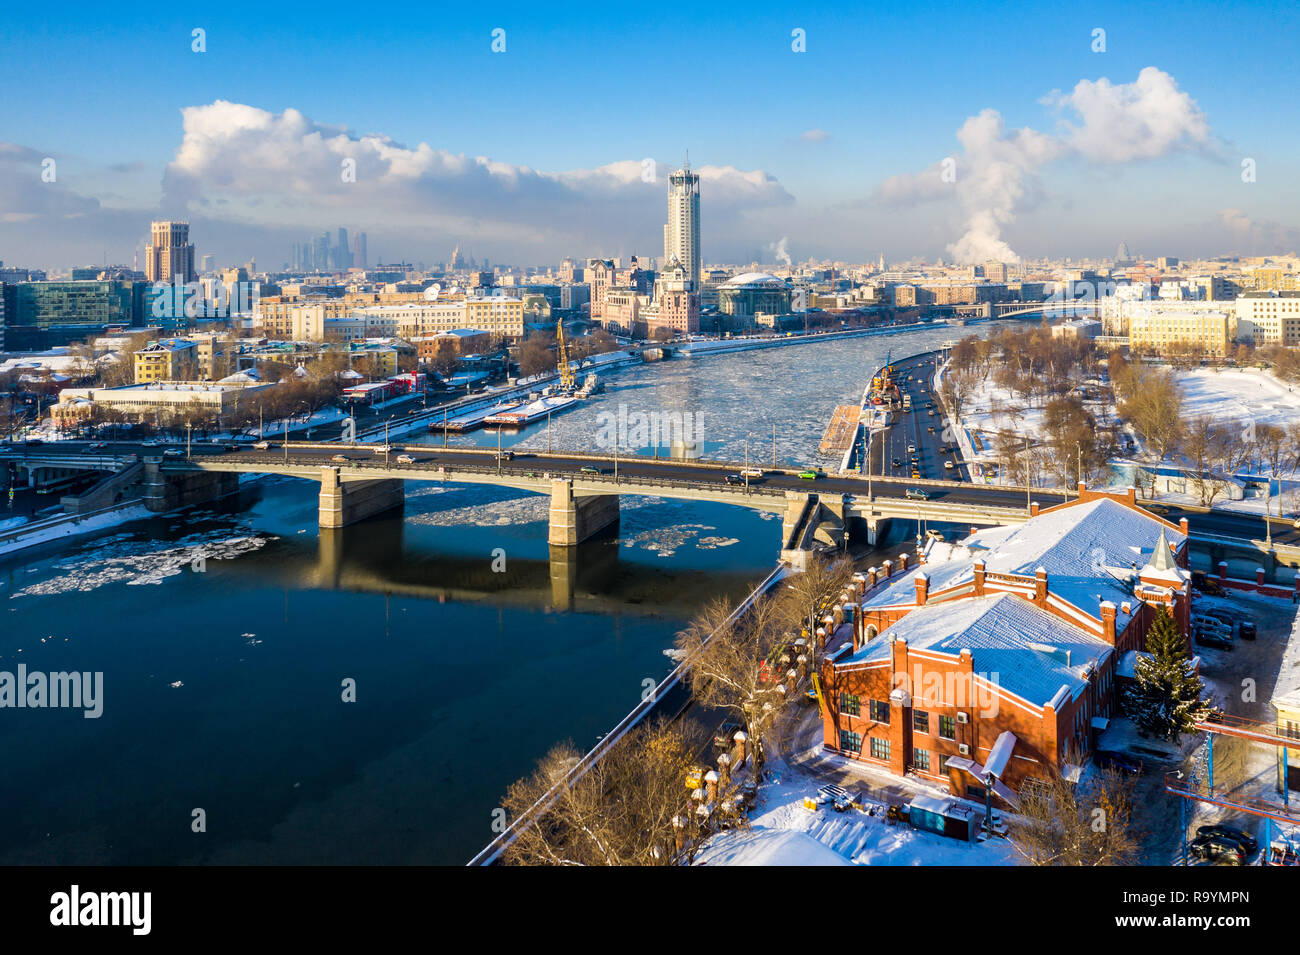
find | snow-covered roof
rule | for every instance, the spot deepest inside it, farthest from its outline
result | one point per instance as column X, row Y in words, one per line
column 1088, row 551
column 1030, row 652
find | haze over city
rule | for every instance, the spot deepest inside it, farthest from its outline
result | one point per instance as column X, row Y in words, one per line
column 538, row 151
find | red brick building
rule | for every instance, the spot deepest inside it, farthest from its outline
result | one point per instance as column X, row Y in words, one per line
column 997, row 657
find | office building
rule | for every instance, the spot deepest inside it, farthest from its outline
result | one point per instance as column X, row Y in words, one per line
column 682, row 230
column 169, row 256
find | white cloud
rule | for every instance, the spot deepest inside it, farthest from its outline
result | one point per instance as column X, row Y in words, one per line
column 253, row 163
column 814, row 136
column 996, row 170
column 1145, row 119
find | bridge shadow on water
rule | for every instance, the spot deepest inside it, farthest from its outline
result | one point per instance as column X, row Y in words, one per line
column 377, row 556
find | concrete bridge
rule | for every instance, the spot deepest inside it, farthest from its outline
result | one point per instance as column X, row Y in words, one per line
column 359, row 481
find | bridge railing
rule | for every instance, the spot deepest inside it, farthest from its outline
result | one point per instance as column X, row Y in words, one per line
column 494, row 850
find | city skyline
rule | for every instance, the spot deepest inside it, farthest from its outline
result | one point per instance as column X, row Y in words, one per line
column 1042, row 131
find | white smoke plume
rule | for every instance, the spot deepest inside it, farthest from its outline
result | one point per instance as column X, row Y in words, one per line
column 996, row 170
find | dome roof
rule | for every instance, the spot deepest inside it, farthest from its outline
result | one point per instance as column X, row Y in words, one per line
column 763, row 279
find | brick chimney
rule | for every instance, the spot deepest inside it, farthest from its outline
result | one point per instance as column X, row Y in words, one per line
column 1040, row 584
column 979, row 578
column 1033, row 508
column 888, row 568
column 1108, row 622
column 902, row 561
column 922, row 580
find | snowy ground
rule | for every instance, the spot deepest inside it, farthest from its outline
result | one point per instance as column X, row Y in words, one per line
column 785, row 833
column 1242, row 395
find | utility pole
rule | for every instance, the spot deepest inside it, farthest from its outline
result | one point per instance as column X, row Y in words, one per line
column 188, row 434
column 746, row 464
column 1029, row 504
column 385, row 444
column 773, row 447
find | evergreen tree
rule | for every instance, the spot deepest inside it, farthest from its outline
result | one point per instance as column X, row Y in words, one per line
column 1165, row 701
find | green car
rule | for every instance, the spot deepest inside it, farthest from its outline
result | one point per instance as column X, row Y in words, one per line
column 811, row 474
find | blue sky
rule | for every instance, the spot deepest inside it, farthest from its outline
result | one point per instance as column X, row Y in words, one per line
column 582, row 88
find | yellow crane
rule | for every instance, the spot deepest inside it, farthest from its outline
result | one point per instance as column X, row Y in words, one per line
column 566, row 370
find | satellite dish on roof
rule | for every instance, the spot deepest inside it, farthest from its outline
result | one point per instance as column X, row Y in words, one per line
column 432, row 292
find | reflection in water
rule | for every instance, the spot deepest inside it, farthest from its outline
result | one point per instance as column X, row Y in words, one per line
column 222, row 677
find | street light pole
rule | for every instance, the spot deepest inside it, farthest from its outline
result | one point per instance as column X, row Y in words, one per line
column 188, row 435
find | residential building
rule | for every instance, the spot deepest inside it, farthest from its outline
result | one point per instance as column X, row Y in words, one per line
column 1268, row 318
column 682, row 230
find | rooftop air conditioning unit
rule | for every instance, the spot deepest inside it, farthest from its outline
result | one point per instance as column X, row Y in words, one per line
column 963, row 749
column 963, row 717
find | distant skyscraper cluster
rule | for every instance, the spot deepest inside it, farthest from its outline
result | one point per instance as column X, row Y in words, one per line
column 330, row 252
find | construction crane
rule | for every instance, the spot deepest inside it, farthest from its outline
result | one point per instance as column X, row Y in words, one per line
column 567, row 383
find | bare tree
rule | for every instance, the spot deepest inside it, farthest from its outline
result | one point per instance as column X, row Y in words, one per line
column 734, row 662
column 1086, row 824
column 619, row 812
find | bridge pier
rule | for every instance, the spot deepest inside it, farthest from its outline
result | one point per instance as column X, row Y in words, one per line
column 164, row 491
column 346, row 502
column 576, row 519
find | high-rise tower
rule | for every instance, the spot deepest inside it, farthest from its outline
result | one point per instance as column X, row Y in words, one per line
column 682, row 231
column 169, row 256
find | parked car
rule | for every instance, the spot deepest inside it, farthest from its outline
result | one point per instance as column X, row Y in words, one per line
column 916, row 494
column 1216, row 641
column 1239, row 836
column 1120, row 762
column 1246, row 629
column 1217, row 848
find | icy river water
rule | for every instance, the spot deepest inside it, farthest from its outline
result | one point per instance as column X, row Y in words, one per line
column 227, row 638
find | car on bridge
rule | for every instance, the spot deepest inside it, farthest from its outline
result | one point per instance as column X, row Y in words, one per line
column 736, row 479
column 262, row 445
column 95, row 446
column 948, row 465
column 811, row 474
column 754, row 474
column 173, row 453
column 589, row 469
column 405, row 459
column 916, row 494
column 341, row 458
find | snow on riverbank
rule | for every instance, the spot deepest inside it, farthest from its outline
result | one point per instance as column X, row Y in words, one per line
column 76, row 528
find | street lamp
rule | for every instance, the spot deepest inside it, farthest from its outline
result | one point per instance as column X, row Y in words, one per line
column 189, row 431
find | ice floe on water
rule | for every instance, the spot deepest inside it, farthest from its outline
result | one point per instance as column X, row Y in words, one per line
column 121, row 559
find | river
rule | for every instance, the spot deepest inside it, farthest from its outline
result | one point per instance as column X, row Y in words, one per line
column 227, row 638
